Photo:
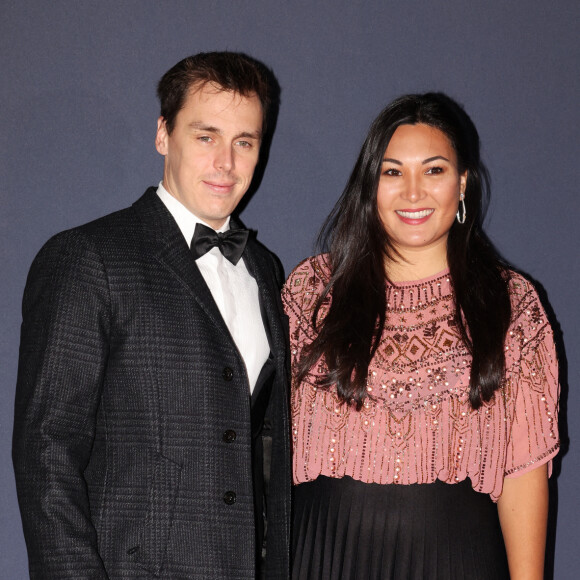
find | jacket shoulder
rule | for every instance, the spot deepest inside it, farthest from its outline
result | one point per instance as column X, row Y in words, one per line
column 108, row 231
column 269, row 260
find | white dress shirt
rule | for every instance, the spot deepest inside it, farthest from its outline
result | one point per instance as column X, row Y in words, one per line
column 233, row 288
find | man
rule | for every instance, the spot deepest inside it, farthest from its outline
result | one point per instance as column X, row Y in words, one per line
column 153, row 377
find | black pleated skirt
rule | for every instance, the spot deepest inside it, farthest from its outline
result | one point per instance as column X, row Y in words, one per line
column 346, row 529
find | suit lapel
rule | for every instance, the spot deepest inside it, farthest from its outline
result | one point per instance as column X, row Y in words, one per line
column 163, row 240
column 256, row 267
column 261, row 270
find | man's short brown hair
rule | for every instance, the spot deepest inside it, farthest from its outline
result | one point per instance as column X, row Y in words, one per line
column 230, row 71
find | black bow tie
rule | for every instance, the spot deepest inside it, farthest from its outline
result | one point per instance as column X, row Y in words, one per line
column 231, row 243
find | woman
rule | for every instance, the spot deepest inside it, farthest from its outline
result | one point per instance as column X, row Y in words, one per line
column 424, row 373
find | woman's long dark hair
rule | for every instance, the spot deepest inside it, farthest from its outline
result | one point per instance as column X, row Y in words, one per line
column 358, row 245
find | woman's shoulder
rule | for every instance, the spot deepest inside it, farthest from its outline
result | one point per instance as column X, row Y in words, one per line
column 305, row 284
column 520, row 287
column 316, row 269
column 518, row 284
column 525, row 299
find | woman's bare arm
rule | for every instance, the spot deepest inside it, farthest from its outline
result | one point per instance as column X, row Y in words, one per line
column 523, row 514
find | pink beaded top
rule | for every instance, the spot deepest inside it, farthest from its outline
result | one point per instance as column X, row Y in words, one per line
column 417, row 426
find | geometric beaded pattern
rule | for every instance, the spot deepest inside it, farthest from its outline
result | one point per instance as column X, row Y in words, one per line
column 417, row 425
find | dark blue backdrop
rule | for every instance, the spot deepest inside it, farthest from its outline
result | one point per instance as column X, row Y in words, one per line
column 78, row 116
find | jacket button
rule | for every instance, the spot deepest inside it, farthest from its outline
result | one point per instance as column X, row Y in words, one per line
column 229, row 436
column 230, row 497
column 227, row 374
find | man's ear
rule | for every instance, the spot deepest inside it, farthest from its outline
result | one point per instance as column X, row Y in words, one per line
column 161, row 136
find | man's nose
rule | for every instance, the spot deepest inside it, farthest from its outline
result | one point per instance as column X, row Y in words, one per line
column 224, row 159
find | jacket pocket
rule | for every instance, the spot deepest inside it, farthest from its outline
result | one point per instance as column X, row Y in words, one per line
column 163, row 476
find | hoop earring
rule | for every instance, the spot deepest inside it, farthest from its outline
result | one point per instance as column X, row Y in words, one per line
column 461, row 209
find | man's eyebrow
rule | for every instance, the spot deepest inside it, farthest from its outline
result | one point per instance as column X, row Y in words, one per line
column 203, row 127
column 248, row 135
column 198, row 126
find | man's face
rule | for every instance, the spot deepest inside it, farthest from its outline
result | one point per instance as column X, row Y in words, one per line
column 212, row 152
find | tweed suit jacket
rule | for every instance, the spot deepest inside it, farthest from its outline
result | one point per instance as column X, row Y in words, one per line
column 133, row 440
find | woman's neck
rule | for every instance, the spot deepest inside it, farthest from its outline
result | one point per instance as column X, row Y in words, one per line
column 416, row 265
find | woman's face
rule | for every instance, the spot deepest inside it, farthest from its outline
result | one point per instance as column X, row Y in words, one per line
column 419, row 190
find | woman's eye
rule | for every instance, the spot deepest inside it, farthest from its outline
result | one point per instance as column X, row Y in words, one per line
column 391, row 171
column 434, row 170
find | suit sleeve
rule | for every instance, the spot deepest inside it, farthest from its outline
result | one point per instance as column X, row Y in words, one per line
column 63, row 354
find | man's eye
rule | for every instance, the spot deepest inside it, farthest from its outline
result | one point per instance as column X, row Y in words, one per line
column 205, row 138
column 244, row 144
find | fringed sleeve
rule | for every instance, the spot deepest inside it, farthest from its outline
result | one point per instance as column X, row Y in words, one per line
column 532, row 387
